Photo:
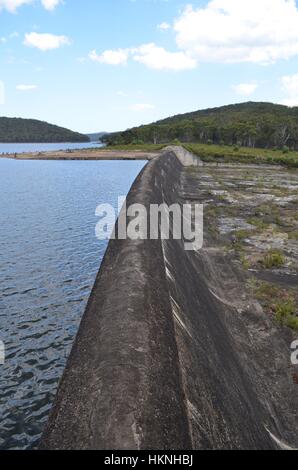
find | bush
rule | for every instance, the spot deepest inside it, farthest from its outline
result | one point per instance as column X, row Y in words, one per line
column 277, row 301
column 273, row 259
column 285, row 149
column 286, row 313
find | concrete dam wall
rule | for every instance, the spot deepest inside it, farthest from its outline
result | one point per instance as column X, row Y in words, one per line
column 166, row 356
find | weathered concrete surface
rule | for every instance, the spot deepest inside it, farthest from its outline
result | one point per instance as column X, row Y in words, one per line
column 173, row 351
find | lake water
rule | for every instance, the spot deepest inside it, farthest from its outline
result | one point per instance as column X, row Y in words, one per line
column 49, row 257
column 21, row 148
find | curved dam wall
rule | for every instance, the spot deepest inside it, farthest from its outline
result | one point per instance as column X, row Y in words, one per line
column 161, row 361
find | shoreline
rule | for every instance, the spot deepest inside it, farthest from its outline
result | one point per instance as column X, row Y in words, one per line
column 84, row 154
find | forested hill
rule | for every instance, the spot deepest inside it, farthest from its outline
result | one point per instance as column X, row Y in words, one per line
column 17, row 130
column 96, row 136
column 249, row 124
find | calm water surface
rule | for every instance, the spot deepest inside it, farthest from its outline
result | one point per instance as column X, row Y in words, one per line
column 21, row 148
column 49, row 258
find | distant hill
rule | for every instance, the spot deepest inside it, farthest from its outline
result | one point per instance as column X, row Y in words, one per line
column 251, row 124
column 96, row 136
column 17, row 130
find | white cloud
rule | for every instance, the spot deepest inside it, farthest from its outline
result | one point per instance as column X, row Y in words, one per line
column 13, row 5
column 158, row 58
column 2, row 93
column 291, row 102
column 111, row 57
column 26, row 87
column 231, row 31
column 50, row 4
column 245, row 89
column 164, row 26
column 224, row 31
column 46, row 41
column 150, row 55
column 290, row 86
column 141, row 107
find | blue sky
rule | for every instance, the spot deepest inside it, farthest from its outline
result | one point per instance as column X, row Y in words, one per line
column 104, row 65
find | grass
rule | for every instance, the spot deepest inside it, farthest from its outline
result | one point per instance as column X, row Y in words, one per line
column 258, row 223
column 227, row 154
column 293, row 235
column 276, row 301
column 242, row 234
column 223, row 153
column 267, row 210
column 265, row 291
column 238, row 245
column 138, row 147
column 245, row 262
column 286, row 313
column 273, row 259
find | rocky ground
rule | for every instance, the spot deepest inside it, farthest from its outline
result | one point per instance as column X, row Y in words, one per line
column 252, row 214
column 250, row 265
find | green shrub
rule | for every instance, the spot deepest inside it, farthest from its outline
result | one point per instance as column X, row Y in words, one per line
column 242, row 234
column 259, row 223
column 273, row 259
column 285, row 149
column 245, row 262
column 286, row 313
column 277, row 301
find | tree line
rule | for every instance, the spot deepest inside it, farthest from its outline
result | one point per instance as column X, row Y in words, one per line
column 17, row 130
column 263, row 125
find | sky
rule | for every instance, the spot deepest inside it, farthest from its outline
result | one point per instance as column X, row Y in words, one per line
column 108, row 65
